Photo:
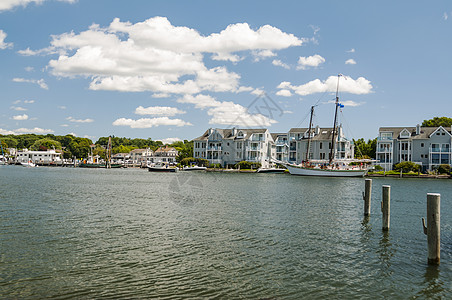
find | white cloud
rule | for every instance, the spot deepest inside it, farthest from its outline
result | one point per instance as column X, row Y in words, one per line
column 150, row 122
column 64, row 125
column 29, row 101
column 156, row 56
column 29, row 69
column 160, row 95
column 3, row 44
column 445, row 16
column 310, row 61
column 258, row 92
column 170, row 140
column 351, row 50
column 350, row 61
column 39, row 82
column 18, row 108
column 262, row 54
column 71, row 119
column 20, row 117
column 158, row 111
column 284, row 93
column 347, row 85
column 279, row 63
column 348, row 103
column 35, row 130
column 62, row 107
column 351, row 103
column 10, row 4
column 226, row 112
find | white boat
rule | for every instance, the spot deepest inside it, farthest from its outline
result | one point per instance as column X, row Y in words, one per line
column 332, row 168
column 326, row 172
column 161, row 168
column 28, row 164
column 194, row 168
column 271, row 170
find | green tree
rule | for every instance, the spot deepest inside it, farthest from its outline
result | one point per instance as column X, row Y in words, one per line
column 438, row 121
column 45, row 144
column 365, row 150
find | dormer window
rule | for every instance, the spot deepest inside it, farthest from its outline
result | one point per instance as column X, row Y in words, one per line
column 404, row 134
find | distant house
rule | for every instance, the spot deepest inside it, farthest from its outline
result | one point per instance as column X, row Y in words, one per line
column 120, row 158
column 426, row 146
column 49, row 157
column 140, row 156
column 165, row 154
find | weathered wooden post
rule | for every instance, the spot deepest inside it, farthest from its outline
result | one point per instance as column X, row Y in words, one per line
column 367, row 196
column 433, row 229
column 386, row 206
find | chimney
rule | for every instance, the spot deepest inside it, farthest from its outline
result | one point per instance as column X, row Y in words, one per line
column 418, row 129
column 317, row 130
column 233, row 131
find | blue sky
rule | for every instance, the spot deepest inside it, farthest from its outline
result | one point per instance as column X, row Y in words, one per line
column 169, row 70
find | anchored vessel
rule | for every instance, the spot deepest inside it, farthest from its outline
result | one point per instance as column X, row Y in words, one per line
column 333, row 167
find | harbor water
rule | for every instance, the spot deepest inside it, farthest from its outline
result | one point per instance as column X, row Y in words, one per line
column 128, row 233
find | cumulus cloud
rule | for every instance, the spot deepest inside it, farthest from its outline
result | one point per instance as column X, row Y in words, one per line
column 351, row 50
column 347, row 85
column 277, row 62
column 157, row 56
column 170, row 140
column 310, row 61
column 71, row 119
column 20, row 117
column 3, row 44
column 262, row 54
column 284, row 93
column 150, row 122
column 350, row 61
column 39, row 82
column 35, row 130
column 10, row 4
column 158, row 111
column 227, row 112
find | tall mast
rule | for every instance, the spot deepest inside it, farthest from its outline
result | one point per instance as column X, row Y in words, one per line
column 333, row 141
column 309, row 134
column 108, row 162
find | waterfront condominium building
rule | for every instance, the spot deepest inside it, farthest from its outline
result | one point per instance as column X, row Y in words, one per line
column 230, row 146
column 426, row 146
column 292, row 147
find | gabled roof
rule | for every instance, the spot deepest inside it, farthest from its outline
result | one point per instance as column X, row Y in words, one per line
column 165, row 149
column 439, row 128
column 228, row 133
column 425, row 133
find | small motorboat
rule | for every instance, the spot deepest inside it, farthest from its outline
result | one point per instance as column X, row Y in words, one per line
column 194, row 168
column 161, row 168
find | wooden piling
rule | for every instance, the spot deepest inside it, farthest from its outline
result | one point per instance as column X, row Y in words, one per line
column 386, row 206
column 367, row 196
column 433, row 230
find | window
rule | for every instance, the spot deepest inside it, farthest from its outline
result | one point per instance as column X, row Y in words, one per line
column 321, row 145
column 422, row 144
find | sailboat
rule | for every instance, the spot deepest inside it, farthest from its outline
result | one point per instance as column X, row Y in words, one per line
column 334, row 167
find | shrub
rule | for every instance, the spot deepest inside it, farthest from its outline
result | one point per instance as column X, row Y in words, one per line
column 443, row 169
column 248, row 165
column 378, row 168
column 407, row 166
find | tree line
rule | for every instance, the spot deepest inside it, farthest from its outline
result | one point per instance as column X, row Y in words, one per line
column 79, row 147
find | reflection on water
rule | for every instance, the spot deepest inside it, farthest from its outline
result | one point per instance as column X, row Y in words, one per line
column 386, row 251
column 433, row 285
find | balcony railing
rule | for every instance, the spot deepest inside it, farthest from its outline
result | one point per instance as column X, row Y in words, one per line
column 253, row 148
column 214, row 148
